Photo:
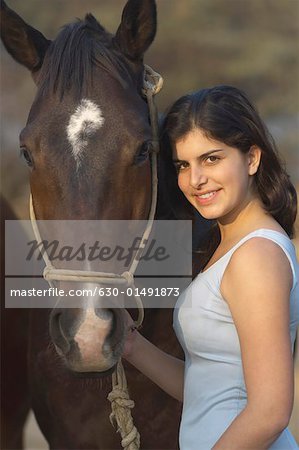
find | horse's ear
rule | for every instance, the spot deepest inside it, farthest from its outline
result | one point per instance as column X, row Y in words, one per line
column 137, row 29
column 25, row 44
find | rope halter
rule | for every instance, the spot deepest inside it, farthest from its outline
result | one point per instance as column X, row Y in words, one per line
column 152, row 84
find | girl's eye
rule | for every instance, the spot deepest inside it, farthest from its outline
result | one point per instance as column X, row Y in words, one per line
column 26, row 155
column 179, row 166
column 212, row 159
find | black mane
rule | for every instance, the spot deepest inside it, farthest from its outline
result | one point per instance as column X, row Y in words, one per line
column 77, row 50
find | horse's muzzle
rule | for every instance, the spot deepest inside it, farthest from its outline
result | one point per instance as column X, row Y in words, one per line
column 88, row 340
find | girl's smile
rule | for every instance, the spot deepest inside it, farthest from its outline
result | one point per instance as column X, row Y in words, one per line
column 206, row 197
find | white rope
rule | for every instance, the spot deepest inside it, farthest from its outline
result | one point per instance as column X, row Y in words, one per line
column 121, row 404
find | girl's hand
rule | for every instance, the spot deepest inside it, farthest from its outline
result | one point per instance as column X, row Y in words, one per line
column 130, row 337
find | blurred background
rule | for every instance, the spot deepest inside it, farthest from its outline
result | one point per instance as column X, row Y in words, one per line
column 252, row 44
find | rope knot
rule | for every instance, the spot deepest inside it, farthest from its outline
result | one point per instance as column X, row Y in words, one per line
column 47, row 273
column 129, row 277
column 121, row 397
column 121, row 406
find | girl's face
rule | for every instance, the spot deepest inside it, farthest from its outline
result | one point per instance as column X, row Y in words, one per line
column 215, row 178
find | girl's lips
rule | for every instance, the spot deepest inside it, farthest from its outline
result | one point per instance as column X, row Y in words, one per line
column 206, row 199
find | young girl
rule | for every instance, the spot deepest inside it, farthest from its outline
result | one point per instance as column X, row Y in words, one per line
column 237, row 320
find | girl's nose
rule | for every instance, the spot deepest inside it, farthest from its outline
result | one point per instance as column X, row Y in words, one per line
column 197, row 177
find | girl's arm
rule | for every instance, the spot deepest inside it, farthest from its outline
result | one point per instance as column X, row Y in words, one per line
column 164, row 370
column 256, row 286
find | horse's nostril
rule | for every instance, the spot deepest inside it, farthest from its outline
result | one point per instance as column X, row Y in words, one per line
column 116, row 332
column 105, row 314
column 108, row 316
column 57, row 334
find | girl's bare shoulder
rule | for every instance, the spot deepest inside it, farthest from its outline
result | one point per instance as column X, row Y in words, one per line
column 259, row 260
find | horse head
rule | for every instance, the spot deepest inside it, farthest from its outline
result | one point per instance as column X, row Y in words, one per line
column 87, row 143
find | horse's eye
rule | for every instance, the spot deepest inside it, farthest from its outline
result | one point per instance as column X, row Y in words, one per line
column 26, row 155
column 143, row 152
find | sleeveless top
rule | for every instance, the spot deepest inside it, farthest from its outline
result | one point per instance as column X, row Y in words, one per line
column 214, row 387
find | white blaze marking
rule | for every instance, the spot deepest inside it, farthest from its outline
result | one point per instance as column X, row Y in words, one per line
column 84, row 122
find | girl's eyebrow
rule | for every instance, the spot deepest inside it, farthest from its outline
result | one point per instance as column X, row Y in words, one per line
column 204, row 155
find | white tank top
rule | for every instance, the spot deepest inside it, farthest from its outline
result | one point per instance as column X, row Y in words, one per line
column 214, row 387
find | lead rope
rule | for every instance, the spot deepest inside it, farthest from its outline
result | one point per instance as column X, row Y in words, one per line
column 121, row 404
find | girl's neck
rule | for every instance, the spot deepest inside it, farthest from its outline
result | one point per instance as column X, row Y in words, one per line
column 250, row 217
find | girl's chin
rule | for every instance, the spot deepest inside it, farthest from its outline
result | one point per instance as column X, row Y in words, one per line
column 206, row 213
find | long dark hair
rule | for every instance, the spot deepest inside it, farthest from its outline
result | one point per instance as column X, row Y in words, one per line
column 224, row 113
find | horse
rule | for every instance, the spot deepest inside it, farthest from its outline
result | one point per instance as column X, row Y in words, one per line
column 87, row 144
